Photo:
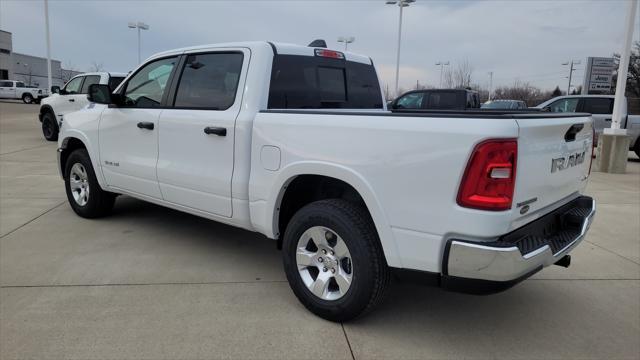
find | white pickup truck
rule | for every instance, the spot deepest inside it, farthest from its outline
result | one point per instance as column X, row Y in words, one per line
column 294, row 142
column 17, row 90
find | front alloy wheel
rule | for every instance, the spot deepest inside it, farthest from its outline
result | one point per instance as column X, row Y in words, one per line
column 324, row 263
column 79, row 184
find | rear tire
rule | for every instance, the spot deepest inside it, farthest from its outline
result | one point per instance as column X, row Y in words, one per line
column 49, row 127
column 27, row 98
column 85, row 195
column 308, row 266
column 636, row 149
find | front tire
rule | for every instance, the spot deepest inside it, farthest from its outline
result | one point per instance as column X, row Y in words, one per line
column 334, row 261
column 49, row 127
column 27, row 98
column 85, row 195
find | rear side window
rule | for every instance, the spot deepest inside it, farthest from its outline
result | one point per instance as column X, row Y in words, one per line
column 443, row 100
column 598, row 105
column 88, row 81
column 313, row 82
column 6, row 84
column 114, row 81
column 209, row 81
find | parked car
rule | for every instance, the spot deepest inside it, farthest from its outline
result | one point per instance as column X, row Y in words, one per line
column 296, row 144
column 11, row 89
column 72, row 97
column 601, row 109
column 437, row 99
column 504, row 105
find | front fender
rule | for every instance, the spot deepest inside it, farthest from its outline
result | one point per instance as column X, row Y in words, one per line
column 83, row 125
column 264, row 209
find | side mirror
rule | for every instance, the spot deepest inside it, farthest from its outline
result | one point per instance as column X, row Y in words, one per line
column 55, row 89
column 546, row 109
column 99, row 93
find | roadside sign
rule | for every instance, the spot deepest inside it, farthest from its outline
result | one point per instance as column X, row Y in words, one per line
column 598, row 75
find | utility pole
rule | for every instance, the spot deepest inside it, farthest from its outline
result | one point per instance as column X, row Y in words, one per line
column 571, row 70
column 442, row 65
column 46, row 25
column 490, row 84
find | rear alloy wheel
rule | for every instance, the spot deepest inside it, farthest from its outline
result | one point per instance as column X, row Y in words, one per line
column 334, row 261
column 49, row 127
column 27, row 98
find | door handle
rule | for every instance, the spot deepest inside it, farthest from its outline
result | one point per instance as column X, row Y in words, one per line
column 220, row 131
column 72, row 100
column 145, row 125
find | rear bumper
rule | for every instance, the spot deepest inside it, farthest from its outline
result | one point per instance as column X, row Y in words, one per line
column 486, row 267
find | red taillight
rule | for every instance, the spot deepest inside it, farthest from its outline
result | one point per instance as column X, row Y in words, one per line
column 490, row 177
column 330, row 54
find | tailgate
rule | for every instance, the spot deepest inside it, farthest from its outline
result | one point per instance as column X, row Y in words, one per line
column 554, row 156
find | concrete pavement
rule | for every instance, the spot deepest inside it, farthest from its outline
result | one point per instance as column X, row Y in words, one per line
column 153, row 283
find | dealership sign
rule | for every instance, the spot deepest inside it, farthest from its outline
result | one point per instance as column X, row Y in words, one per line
column 598, row 75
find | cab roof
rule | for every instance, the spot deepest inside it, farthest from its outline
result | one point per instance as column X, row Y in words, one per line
column 278, row 49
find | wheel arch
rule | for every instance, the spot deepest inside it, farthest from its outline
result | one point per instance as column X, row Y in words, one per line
column 45, row 109
column 326, row 181
column 72, row 142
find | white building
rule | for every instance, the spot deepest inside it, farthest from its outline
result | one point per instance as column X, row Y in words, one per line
column 32, row 70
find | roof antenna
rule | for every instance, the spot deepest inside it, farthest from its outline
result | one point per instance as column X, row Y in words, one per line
column 319, row 43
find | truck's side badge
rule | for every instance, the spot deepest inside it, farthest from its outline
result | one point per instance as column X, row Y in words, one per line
column 111, row 163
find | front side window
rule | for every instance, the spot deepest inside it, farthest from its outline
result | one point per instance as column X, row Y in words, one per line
column 88, row 81
column 564, row 105
column 146, row 88
column 20, row 84
column 209, row 81
column 114, row 81
column 74, row 85
column 598, row 105
column 410, row 101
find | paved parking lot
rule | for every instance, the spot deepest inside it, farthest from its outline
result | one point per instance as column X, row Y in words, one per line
column 153, row 283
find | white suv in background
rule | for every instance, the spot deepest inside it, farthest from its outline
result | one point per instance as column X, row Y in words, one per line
column 72, row 97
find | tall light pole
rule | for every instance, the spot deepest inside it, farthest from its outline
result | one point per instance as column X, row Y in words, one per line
column 46, row 25
column 442, row 64
column 140, row 26
column 401, row 4
column 623, row 69
column 490, row 84
column 346, row 40
column 571, row 70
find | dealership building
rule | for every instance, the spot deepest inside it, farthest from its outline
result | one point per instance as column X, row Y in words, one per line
column 32, row 70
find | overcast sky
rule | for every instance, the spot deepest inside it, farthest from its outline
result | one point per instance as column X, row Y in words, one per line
column 525, row 40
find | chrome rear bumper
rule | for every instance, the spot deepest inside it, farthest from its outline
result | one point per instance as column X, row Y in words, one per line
column 522, row 252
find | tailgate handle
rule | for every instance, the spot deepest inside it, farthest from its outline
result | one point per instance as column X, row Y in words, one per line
column 571, row 133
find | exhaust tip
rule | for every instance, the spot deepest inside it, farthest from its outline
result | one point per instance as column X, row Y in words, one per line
column 565, row 261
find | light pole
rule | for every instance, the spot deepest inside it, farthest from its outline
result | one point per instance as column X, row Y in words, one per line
column 442, row 64
column 490, row 84
column 46, row 25
column 140, row 26
column 571, row 70
column 401, row 4
column 346, row 40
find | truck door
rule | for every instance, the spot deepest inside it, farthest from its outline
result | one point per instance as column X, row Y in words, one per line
column 601, row 109
column 197, row 130
column 7, row 90
column 129, row 133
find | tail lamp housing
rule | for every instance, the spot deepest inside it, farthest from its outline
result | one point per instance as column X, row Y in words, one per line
column 489, row 179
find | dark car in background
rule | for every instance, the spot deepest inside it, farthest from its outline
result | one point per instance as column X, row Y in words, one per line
column 437, row 99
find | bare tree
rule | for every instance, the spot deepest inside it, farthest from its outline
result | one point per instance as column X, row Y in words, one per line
column 522, row 91
column 68, row 71
column 96, row 66
column 458, row 76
